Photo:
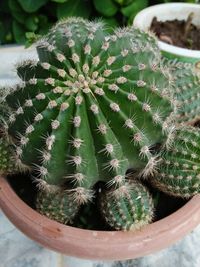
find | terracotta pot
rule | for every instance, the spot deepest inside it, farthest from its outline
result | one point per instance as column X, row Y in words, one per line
column 111, row 245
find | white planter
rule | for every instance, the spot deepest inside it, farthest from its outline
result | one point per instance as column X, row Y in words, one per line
column 171, row 11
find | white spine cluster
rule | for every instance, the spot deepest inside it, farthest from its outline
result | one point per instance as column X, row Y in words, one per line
column 77, row 121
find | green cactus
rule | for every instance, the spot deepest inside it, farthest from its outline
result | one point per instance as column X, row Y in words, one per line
column 93, row 106
column 179, row 172
column 56, row 204
column 8, row 163
column 186, row 91
column 4, row 110
column 127, row 208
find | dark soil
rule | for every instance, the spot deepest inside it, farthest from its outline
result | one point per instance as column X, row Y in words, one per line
column 89, row 217
column 24, row 187
column 180, row 33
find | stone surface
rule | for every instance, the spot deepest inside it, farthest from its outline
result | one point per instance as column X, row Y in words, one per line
column 16, row 250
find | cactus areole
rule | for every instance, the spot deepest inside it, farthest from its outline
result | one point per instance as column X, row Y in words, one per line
column 93, row 106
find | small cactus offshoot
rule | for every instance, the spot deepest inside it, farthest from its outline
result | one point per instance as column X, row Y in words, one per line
column 186, row 92
column 92, row 107
column 179, row 172
column 128, row 207
column 8, row 158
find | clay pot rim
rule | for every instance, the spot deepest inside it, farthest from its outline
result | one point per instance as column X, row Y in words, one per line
column 112, row 245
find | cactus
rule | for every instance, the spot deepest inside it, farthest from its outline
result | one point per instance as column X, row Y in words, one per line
column 179, row 168
column 179, row 171
column 186, row 92
column 93, row 106
column 127, row 208
column 4, row 110
column 7, row 157
column 56, row 204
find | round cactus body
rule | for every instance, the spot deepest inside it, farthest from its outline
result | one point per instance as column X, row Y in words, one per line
column 179, row 173
column 93, row 106
column 186, row 88
column 57, row 205
column 127, row 208
column 91, row 100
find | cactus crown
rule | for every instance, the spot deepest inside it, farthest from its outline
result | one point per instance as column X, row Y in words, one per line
column 93, row 106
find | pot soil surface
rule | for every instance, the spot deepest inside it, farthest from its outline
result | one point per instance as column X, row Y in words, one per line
column 181, row 33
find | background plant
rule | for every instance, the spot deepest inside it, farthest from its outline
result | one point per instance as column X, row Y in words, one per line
column 21, row 21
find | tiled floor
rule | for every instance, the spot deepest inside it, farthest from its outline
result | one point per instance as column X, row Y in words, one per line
column 16, row 250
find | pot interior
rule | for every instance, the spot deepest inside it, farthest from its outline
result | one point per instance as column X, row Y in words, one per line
column 171, row 11
column 26, row 189
column 165, row 12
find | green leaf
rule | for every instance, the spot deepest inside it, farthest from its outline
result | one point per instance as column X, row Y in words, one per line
column 59, row 1
column 134, row 8
column 18, row 32
column 124, row 2
column 31, row 38
column 5, row 34
column 32, row 23
column 79, row 8
column 16, row 11
column 106, row 7
column 111, row 22
column 44, row 25
column 32, row 5
column 192, row 1
column 4, row 7
column 5, row 29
